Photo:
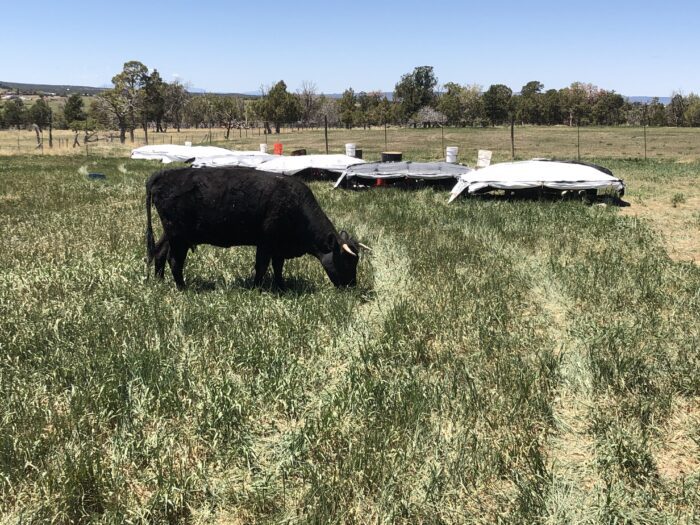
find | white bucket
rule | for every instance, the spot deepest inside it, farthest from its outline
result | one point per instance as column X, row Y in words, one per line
column 350, row 150
column 188, row 144
column 451, row 154
column 263, row 148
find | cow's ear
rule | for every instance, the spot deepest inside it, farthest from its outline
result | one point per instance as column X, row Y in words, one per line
column 332, row 242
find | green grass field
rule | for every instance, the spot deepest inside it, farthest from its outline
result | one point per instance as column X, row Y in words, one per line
column 516, row 362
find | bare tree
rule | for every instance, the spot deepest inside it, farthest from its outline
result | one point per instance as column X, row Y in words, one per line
column 230, row 112
column 330, row 109
column 308, row 98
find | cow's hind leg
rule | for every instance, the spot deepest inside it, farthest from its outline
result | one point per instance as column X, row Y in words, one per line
column 176, row 259
column 277, row 264
column 262, row 261
column 161, row 256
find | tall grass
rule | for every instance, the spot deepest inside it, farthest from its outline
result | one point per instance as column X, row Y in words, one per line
column 428, row 394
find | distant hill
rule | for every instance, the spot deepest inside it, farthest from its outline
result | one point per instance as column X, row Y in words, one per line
column 388, row 94
column 65, row 90
column 647, row 100
column 62, row 90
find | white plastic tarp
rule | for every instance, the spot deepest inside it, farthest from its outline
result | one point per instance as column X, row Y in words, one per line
column 535, row 174
column 250, row 159
column 293, row 165
column 167, row 153
column 402, row 170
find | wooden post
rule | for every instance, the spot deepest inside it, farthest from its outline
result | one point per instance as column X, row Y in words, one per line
column 512, row 138
column 50, row 128
column 442, row 138
column 578, row 140
column 386, row 147
column 325, row 126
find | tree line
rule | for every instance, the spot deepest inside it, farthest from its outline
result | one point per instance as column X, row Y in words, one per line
column 141, row 99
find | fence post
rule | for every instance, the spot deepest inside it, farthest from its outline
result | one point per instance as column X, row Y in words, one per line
column 442, row 137
column 325, row 127
column 578, row 140
column 512, row 138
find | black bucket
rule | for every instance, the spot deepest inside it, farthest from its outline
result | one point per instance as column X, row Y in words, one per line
column 392, row 156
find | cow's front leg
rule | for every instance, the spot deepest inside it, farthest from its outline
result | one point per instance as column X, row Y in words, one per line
column 277, row 264
column 262, row 261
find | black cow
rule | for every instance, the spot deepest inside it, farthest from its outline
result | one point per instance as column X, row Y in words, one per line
column 242, row 206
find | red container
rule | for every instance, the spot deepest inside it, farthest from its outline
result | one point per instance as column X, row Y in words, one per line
column 278, row 148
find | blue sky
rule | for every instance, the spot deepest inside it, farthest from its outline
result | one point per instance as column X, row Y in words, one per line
column 634, row 48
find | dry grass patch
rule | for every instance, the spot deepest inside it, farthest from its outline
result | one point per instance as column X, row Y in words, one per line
column 678, row 452
column 676, row 223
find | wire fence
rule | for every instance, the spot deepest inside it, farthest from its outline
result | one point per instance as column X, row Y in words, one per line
column 414, row 143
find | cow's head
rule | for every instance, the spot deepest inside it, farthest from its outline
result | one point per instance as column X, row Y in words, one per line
column 341, row 260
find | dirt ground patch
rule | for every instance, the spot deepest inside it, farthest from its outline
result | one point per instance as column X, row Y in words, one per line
column 675, row 216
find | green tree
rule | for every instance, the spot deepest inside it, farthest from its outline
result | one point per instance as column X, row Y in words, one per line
column 498, row 103
column 530, row 103
column 112, row 109
column 278, row 106
column 175, row 98
column 551, row 107
column 692, row 110
column 577, row 102
column 656, row 113
column 415, row 90
column 607, row 109
column 367, row 104
column 677, row 109
column 127, row 86
column 153, row 106
column 472, row 101
column 636, row 114
column 348, row 108
column 450, row 104
column 40, row 113
column 15, row 113
column 74, row 110
column 382, row 112
column 201, row 111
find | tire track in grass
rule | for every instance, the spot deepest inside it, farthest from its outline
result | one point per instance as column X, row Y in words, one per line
column 390, row 267
column 575, row 483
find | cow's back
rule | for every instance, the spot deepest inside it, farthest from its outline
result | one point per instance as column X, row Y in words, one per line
column 232, row 206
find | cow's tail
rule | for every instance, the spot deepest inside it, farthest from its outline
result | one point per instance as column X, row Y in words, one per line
column 150, row 243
